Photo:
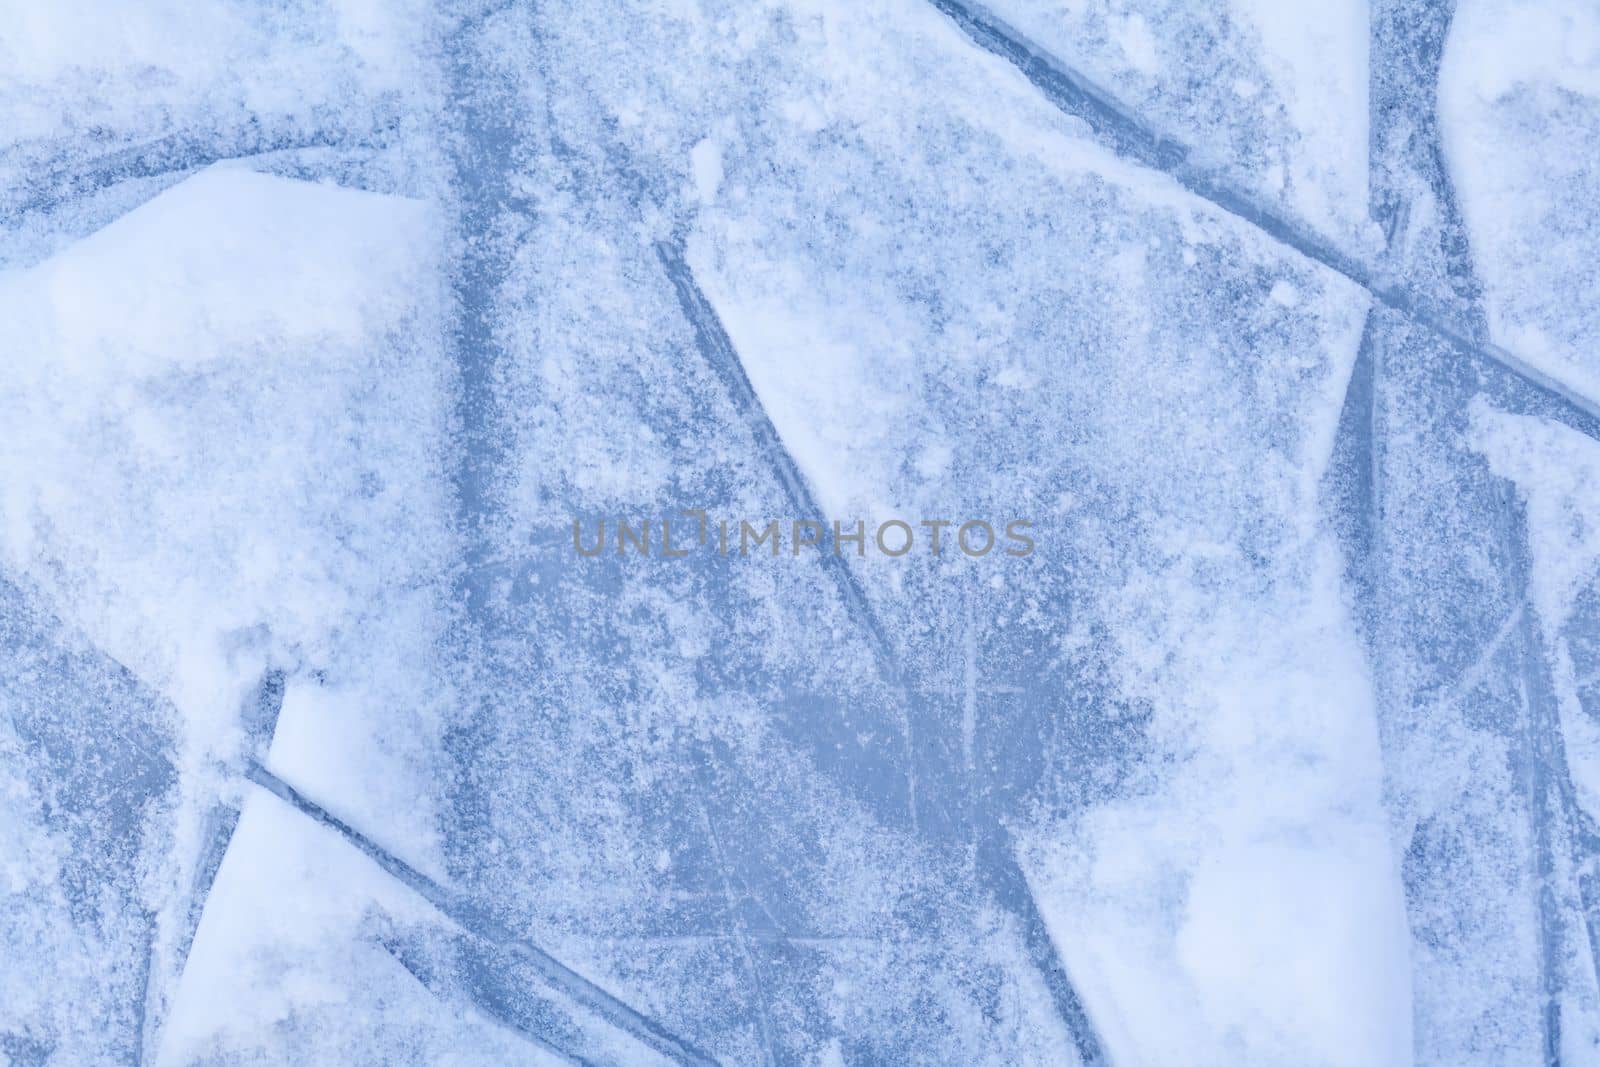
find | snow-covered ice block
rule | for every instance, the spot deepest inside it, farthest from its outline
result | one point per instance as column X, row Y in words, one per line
column 334, row 329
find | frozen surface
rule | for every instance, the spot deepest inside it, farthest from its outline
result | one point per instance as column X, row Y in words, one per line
column 1519, row 99
column 1274, row 94
column 336, row 330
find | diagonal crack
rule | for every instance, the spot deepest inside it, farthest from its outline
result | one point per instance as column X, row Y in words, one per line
column 173, row 153
column 475, row 919
column 717, row 349
column 999, row 867
column 1558, row 819
column 261, row 718
column 1129, row 135
column 449, row 964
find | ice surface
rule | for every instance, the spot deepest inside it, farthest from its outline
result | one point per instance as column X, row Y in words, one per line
column 1275, row 94
column 1519, row 100
column 328, row 323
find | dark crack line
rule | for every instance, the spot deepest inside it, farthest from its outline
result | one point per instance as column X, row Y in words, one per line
column 474, row 919
column 177, row 153
column 1551, row 783
column 222, row 820
column 1545, row 766
column 445, row 987
column 1413, row 43
column 483, row 151
column 1553, row 793
column 1004, row 876
column 717, row 349
column 1005, row 879
column 1130, row 136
